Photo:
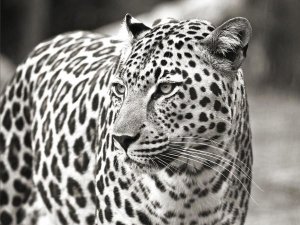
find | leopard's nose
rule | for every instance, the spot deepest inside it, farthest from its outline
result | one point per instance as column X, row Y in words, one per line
column 125, row 141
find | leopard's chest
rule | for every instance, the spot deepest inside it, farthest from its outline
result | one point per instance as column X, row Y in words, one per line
column 133, row 198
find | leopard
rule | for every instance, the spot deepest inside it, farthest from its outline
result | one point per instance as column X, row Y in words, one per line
column 147, row 127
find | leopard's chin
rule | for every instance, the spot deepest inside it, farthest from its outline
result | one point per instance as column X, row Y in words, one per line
column 141, row 167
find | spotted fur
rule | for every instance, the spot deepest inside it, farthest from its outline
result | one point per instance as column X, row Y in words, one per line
column 151, row 129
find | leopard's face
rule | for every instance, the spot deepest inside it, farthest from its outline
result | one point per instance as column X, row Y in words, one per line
column 171, row 99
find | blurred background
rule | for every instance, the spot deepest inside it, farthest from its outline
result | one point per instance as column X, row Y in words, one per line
column 272, row 73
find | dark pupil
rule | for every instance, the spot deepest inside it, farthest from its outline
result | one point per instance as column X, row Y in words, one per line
column 119, row 88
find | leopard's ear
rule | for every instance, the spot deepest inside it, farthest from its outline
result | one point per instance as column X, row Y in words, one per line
column 134, row 28
column 230, row 41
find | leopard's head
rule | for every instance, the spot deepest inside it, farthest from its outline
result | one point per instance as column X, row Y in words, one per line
column 177, row 91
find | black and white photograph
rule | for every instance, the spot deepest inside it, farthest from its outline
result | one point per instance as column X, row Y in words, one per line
column 150, row 112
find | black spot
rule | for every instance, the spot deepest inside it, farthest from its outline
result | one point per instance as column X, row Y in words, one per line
column 28, row 159
column 5, row 218
column 45, row 171
column 4, row 176
column 168, row 54
column 179, row 117
column 117, row 197
column 182, row 106
column 91, row 188
column 63, row 150
column 203, row 117
column 204, row 101
column 16, row 108
column 135, row 197
column 119, row 223
column 7, row 120
column 112, row 176
column 192, row 63
column 128, row 208
column 62, row 94
column 19, row 90
column 72, row 122
column 78, row 89
column 55, row 168
column 2, row 143
column 170, row 42
column 82, row 110
column 158, row 183
column 61, row 117
column 221, row 127
column 215, row 89
column 123, row 185
column 100, row 215
column 206, row 72
column 224, row 110
column 201, row 129
column 163, row 62
column 100, row 185
column 193, row 93
column 189, row 116
column 43, row 106
column 188, row 81
column 197, row 77
column 26, row 172
column 3, row 198
column 157, row 73
column 48, row 145
column 55, row 192
column 107, row 212
column 184, row 74
column 75, row 190
column 216, row 76
column 81, row 163
column 20, row 214
column 181, row 95
column 62, row 219
column 217, row 105
column 44, row 196
column 14, row 148
column 78, row 145
column 143, row 218
column 26, row 112
column 90, row 220
column 95, row 102
column 17, row 201
column 179, row 45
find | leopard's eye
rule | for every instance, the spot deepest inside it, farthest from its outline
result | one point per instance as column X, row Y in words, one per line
column 118, row 89
column 166, row 88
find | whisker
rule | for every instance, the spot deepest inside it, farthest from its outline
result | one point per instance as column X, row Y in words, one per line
column 198, row 157
column 239, row 161
column 185, row 157
column 216, row 156
column 202, row 138
column 214, row 147
column 225, row 120
column 213, row 155
column 155, row 164
column 174, row 158
column 168, row 165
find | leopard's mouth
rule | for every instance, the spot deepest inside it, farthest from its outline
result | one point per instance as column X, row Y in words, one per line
column 153, row 162
column 131, row 162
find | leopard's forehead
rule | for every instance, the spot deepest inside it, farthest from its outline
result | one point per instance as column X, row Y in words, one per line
column 160, row 52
